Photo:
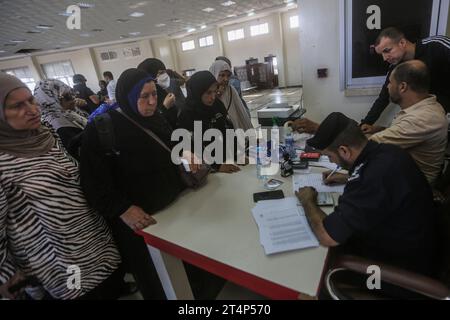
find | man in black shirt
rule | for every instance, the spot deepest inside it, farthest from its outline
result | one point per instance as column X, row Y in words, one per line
column 386, row 212
column 85, row 93
column 395, row 48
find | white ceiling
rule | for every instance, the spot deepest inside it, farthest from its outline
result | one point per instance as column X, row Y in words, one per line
column 18, row 17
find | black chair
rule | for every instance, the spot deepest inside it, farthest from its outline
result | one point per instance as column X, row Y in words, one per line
column 419, row 286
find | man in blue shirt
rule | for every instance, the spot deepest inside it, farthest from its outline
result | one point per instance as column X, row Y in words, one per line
column 386, row 212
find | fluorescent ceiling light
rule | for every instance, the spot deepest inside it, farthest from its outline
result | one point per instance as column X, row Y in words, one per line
column 203, row 27
column 228, row 3
column 251, row 14
column 84, row 5
column 18, row 40
column 137, row 14
column 231, row 16
column 191, row 30
column 139, row 4
column 208, row 9
column 44, row 26
column 159, row 25
column 134, row 33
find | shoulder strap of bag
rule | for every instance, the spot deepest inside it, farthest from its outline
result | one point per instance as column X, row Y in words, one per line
column 105, row 132
column 231, row 99
column 147, row 131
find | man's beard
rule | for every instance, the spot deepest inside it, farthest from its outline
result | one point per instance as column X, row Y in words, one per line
column 343, row 163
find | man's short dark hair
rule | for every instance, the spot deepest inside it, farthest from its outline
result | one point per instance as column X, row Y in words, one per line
column 415, row 73
column 351, row 136
column 392, row 33
column 108, row 74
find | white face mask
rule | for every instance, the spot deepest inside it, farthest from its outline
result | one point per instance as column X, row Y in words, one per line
column 163, row 80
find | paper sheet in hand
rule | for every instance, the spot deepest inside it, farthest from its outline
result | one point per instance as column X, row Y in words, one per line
column 314, row 180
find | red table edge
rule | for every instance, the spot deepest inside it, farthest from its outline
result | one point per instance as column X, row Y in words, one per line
column 264, row 287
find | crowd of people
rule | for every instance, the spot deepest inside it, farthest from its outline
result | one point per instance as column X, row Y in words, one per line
column 79, row 173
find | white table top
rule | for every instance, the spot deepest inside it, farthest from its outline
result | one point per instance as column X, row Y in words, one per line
column 216, row 221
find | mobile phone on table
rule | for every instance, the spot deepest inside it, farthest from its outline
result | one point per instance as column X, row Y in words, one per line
column 268, row 195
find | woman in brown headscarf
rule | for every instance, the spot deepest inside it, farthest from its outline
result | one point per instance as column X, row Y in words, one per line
column 47, row 230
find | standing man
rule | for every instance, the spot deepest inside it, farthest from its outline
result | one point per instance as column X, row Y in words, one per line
column 111, row 87
column 395, row 48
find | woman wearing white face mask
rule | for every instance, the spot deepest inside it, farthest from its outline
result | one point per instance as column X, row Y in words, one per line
column 169, row 92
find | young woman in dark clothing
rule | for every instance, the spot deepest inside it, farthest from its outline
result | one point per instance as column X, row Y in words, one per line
column 138, row 179
column 202, row 105
column 170, row 97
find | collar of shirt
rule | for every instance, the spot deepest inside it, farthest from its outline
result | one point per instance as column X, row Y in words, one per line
column 365, row 154
column 430, row 100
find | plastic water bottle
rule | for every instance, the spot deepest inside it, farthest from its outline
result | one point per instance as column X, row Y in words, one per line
column 289, row 143
column 260, row 158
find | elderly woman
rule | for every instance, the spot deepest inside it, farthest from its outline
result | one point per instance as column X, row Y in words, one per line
column 60, row 111
column 47, row 229
column 138, row 179
column 229, row 96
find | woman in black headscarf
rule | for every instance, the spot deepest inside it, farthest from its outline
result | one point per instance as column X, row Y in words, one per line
column 170, row 97
column 135, row 181
column 202, row 105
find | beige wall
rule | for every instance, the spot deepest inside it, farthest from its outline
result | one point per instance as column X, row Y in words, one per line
column 19, row 63
column 162, row 48
column 122, row 63
column 319, row 38
column 257, row 47
column 199, row 58
column 81, row 63
column 293, row 66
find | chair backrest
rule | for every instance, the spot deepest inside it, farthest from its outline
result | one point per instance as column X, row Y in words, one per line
column 444, row 241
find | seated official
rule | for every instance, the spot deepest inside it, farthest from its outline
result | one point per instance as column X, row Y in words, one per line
column 386, row 212
column 420, row 127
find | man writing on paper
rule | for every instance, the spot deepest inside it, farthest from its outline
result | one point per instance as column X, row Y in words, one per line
column 386, row 212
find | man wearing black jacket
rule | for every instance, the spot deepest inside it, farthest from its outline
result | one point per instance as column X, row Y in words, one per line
column 395, row 48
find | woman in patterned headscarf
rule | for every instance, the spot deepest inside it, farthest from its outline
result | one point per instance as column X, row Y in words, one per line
column 59, row 109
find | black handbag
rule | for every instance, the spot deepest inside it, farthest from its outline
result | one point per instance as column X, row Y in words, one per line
column 190, row 179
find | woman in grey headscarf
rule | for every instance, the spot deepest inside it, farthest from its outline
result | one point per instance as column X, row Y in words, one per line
column 230, row 97
column 59, row 109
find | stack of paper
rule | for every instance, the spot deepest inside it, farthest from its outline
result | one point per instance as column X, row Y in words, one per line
column 314, row 180
column 324, row 162
column 283, row 226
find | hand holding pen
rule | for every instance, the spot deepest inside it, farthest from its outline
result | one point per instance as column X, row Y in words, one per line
column 333, row 177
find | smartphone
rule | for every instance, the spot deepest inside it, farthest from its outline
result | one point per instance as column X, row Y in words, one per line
column 268, row 195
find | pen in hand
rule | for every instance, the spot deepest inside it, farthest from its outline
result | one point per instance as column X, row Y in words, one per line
column 332, row 172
